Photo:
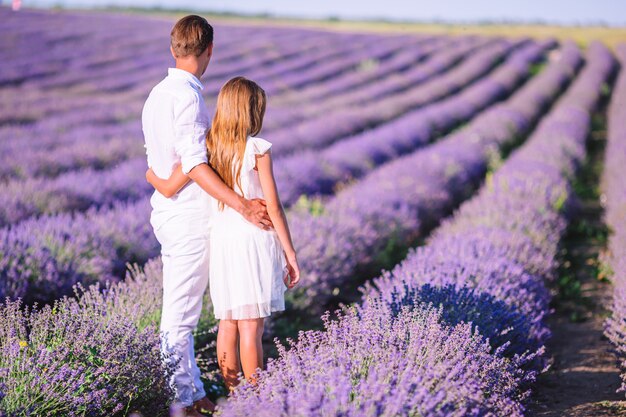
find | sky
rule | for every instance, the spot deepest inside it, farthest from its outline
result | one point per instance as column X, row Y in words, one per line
column 570, row 12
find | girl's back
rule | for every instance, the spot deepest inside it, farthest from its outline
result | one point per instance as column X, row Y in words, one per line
column 249, row 176
column 247, row 263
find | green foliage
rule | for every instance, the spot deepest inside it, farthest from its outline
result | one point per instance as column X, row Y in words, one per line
column 537, row 68
column 604, row 271
column 559, row 204
column 586, row 235
column 367, row 65
column 313, row 205
column 494, row 162
column 394, row 251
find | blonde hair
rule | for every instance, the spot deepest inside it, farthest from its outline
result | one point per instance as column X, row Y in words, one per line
column 239, row 114
column 191, row 35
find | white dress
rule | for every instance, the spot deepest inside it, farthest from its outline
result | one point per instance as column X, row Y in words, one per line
column 247, row 263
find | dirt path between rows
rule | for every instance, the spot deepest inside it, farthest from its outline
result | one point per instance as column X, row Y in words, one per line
column 584, row 377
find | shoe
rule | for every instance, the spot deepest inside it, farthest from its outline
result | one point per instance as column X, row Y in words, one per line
column 204, row 405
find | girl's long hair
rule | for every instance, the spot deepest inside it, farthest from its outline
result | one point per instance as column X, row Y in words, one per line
column 239, row 114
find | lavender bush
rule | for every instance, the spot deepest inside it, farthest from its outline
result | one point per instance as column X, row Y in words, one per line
column 382, row 363
column 41, row 259
column 615, row 203
column 80, row 358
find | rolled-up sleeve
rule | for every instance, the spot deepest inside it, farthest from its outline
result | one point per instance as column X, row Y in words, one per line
column 189, row 132
column 150, row 163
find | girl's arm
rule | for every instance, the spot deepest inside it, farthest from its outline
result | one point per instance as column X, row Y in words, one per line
column 277, row 214
column 170, row 186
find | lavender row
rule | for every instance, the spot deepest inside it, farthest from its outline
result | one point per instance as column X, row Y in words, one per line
column 400, row 82
column 145, row 69
column 366, row 59
column 414, row 191
column 114, row 146
column 504, row 242
column 74, row 191
column 85, row 140
column 311, row 67
column 312, row 173
column 382, row 362
column 94, row 111
column 460, row 345
column 346, row 83
column 156, row 32
column 615, row 215
column 333, row 245
column 440, row 57
column 79, row 190
column 37, row 161
column 41, row 259
column 24, row 108
column 341, row 122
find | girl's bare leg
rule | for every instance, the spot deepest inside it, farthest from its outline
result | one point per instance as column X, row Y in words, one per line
column 250, row 347
column 227, row 355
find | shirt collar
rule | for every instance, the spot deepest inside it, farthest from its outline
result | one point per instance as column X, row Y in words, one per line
column 180, row 73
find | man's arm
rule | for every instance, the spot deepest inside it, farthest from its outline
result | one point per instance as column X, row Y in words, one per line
column 189, row 143
column 252, row 210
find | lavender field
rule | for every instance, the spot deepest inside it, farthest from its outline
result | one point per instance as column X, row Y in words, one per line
column 437, row 189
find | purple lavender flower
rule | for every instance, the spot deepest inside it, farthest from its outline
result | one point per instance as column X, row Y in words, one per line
column 614, row 194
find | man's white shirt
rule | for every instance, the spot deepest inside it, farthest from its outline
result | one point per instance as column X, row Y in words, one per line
column 174, row 122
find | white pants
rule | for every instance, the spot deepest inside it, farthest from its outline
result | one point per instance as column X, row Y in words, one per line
column 185, row 252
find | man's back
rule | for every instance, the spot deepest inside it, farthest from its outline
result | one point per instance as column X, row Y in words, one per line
column 174, row 122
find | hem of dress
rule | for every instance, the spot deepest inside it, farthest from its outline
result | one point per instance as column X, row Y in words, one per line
column 249, row 318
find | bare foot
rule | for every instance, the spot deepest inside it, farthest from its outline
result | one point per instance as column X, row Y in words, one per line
column 204, row 405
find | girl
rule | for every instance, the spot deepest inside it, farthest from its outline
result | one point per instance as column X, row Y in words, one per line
column 250, row 268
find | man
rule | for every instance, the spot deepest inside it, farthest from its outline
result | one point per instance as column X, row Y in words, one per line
column 175, row 120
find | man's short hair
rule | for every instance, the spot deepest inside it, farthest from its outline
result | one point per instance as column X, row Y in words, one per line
column 191, row 35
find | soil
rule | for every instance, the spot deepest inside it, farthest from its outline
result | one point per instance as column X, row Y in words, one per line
column 583, row 379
